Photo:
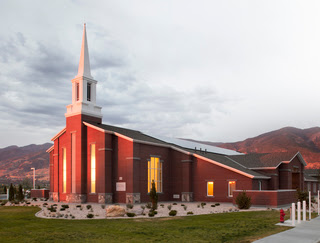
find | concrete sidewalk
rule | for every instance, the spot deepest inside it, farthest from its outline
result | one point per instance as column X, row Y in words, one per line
column 305, row 232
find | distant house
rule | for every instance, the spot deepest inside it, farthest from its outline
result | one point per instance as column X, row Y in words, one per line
column 312, row 180
column 94, row 162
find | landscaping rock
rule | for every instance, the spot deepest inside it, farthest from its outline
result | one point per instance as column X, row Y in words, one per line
column 115, row 211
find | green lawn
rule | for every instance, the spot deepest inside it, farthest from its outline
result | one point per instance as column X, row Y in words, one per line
column 18, row 224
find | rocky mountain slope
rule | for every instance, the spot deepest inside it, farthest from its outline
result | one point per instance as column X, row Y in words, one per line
column 307, row 141
column 16, row 163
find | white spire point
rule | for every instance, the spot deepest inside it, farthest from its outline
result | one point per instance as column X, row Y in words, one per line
column 84, row 63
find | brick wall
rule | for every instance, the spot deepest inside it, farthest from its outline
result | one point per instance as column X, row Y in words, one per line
column 40, row 193
column 274, row 198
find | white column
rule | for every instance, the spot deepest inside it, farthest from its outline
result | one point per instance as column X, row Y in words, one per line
column 309, row 205
column 299, row 212
column 7, row 194
column 304, row 205
column 293, row 217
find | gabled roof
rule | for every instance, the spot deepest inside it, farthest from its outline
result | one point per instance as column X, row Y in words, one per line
column 267, row 160
column 312, row 172
column 220, row 160
column 50, row 149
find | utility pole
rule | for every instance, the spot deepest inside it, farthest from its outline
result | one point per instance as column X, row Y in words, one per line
column 34, row 178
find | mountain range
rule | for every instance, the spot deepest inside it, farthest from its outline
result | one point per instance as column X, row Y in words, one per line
column 287, row 139
column 16, row 162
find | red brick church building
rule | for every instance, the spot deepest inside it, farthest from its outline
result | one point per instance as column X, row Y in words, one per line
column 94, row 162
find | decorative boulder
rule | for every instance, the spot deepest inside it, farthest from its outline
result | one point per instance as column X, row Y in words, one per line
column 115, row 211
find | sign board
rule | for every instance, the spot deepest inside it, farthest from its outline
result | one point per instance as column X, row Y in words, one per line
column 176, row 196
column 120, row 186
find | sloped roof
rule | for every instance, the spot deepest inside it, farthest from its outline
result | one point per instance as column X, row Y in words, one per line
column 220, row 158
column 312, row 172
column 266, row 160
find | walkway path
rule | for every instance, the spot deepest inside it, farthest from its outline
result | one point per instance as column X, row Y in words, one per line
column 305, row 232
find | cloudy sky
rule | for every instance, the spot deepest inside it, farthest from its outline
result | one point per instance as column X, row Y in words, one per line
column 208, row 70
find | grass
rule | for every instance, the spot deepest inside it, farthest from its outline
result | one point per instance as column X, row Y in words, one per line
column 19, row 224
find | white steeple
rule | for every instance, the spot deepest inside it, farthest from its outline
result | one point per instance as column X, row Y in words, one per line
column 84, row 63
column 84, row 86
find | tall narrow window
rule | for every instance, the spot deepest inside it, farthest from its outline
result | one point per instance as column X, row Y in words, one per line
column 78, row 91
column 260, row 185
column 93, row 168
column 88, row 91
column 210, row 188
column 231, row 188
column 64, row 170
column 155, row 173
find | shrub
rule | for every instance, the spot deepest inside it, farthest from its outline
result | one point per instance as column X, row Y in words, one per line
column 90, row 215
column 203, row 204
column 62, row 209
column 78, row 206
column 162, row 205
column 198, row 206
column 217, row 204
column 34, row 199
column 129, row 206
column 302, row 196
column 182, row 205
column 243, row 201
column 20, row 195
column 169, row 206
column 45, row 204
column 173, row 213
column 213, row 205
column 151, row 214
column 154, row 196
column 174, row 203
column 65, row 206
column 189, row 213
column 148, row 205
column 185, row 208
column 103, row 206
column 131, row 214
column 88, row 206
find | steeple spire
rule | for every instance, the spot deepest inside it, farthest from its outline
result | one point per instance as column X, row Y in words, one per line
column 84, row 63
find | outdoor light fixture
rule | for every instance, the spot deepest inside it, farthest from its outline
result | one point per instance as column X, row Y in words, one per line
column 34, row 178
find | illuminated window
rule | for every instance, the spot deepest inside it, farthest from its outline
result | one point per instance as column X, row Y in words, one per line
column 210, row 188
column 231, row 188
column 155, row 173
column 78, row 92
column 64, row 170
column 93, row 168
column 88, row 92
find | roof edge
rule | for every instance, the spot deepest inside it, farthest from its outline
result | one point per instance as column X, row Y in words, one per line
column 59, row 134
column 50, row 149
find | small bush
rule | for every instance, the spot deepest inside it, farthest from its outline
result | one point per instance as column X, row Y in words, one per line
column 65, row 206
column 174, row 203
column 185, row 207
column 151, row 214
column 34, row 199
column 217, row 204
column 148, row 205
column 88, row 206
column 190, row 213
column 198, row 206
column 78, row 206
column 169, row 206
column 213, row 205
column 62, row 209
column 131, row 214
column 182, row 205
column 103, row 206
column 203, row 204
column 129, row 206
column 90, row 215
column 162, row 205
column 45, row 204
column 243, row 201
column 173, row 213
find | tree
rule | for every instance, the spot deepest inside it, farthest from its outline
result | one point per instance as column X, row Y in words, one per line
column 5, row 190
column 11, row 193
column 20, row 195
column 154, row 196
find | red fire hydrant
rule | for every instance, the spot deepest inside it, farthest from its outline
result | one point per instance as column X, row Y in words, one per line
column 282, row 214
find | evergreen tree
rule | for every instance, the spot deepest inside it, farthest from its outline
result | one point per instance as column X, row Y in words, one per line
column 154, row 196
column 20, row 195
column 11, row 193
column 5, row 190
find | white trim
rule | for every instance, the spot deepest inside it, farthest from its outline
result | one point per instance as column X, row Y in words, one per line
column 283, row 190
column 235, row 182
column 50, row 149
column 59, row 134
